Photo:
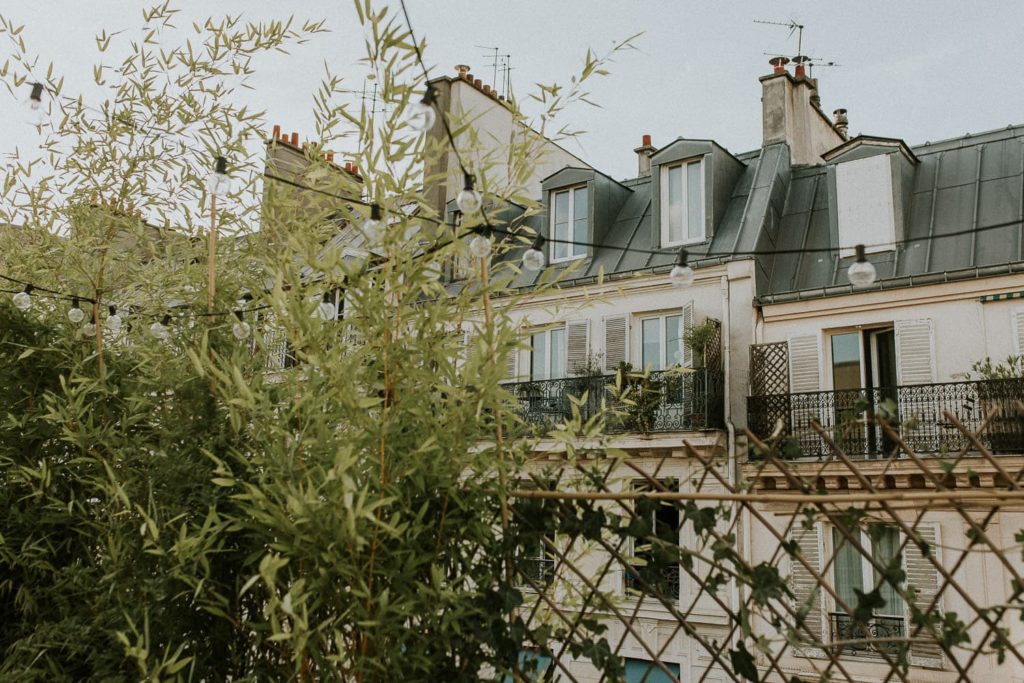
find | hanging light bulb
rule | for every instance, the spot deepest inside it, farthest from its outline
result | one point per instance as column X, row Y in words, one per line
column 113, row 320
column 682, row 274
column 422, row 115
column 480, row 245
column 373, row 227
column 533, row 258
column 23, row 300
column 469, row 200
column 36, row 110
column 89, row 330
column 241, row 329
column 159, row 329
column 861, row 272
column 326, row 310
column 218, row 183
column 75, row 313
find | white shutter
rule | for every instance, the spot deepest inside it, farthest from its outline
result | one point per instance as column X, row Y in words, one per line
column 687, row 354
column 615, row 335
column 577, row 338
column 924, row 577
column 512, row 365
column 802, row 582
column 804, row 364
column 1018, row 331
column 915, row 352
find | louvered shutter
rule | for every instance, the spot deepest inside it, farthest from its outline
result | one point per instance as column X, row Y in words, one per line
column 512, row 365
column 615, row 334
column 804, row 367
column 577, row 339
column 922, row 575
column 687, row 354
column 915, row 352
column 1018, row 332
column 803, row 584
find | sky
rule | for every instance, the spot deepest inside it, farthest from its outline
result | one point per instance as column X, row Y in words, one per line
column 918, row 70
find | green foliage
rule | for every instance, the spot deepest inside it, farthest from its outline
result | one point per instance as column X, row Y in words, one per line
column 1011, row 368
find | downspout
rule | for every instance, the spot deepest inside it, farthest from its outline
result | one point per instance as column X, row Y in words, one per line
column 730, row 428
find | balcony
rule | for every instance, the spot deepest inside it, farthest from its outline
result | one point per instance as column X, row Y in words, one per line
column 881, row 630
column 916, row 412
column 666, row 401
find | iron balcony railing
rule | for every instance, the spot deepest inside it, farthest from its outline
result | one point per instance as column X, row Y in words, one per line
column 916, row 412
column 880, row 634
column 658, row 402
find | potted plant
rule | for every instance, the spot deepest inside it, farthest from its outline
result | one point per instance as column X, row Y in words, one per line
column 1000, row 387
column 641, row 396
column 697, row 339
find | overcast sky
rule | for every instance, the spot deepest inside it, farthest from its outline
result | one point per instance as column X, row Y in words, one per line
column 918, row 70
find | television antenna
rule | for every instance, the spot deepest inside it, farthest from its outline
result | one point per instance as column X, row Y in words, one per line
column 499, row 62
column 792, row 26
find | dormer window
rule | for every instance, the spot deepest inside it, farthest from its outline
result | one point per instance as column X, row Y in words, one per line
column 569, row 215
column 682, row 203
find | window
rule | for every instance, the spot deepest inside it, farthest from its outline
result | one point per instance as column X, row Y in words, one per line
column 661, row 343
column 656, row 554
column 547, row 354
column 643, row 671
column 569, row 224
column 865, row 206
column 682, row 203
column 854, row 572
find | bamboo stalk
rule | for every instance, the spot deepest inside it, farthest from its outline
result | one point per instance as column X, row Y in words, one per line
column 211, row 258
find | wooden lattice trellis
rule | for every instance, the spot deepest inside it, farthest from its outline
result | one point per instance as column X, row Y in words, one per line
column 769, row 369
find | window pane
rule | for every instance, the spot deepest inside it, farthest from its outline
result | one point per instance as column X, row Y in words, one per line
column 848, row 568
column 694, row 201
column 651, row 346
column 538, row 356
column 846, row 361
column 675, row 204
column 885, row 545
column 580, row 212
column 673, row 340
column 557, row 352
column 561, row 224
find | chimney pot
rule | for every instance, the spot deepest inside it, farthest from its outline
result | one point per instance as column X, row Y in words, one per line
column 779, row 64
column 277, row 132
column 330, row 157
column 841, row 122
column 355, row 169
column 468, row 77
column 647, row 140
column 462, row 70
column 487, row 89
column 643, row 155
column 478, row 83
column 295, row 139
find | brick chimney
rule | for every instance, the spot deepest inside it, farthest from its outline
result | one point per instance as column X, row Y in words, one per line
column 643, row 154
column 791, row 114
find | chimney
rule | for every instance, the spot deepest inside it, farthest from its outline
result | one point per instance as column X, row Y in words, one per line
column 841, row 122
column 643, row 153
column 277, row 132
column 790, row 115
column 295, row 139
column 462, row 70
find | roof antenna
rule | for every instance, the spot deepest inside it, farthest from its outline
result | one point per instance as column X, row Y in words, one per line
column 792, row 26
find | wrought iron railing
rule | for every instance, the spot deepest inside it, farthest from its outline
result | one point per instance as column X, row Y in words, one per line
column 651, row 580
column 916, row 412
column 673, row 400
column 877, row 635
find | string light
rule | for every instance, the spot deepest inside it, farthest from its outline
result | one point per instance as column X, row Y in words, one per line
column 682, row 274
column 480, row 245
column 861, row 272
column 422, row 115
column 75, row 313
column 326, row 310
column 373, row 226
column 36, row 110
column 113, row 320
column 218, row 183
column 241, row 329
column 159, row 329
column 89, row 329
column 469, row 200
column 533, row 258
column 23, row 300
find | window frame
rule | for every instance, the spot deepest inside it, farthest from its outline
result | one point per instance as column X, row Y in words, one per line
column 664, row 215
column 546, row 331
column 628, row 581
column 662, row 340
column 571, row 191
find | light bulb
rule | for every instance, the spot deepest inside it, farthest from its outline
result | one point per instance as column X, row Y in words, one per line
column 373, row 226
column 35, row 110
column 241, row 330
column 861, row 272
column 682, row 276
column 469, row 200
column 480, row 246
column 218, row 183
column 89, row 330
column 432, row 271
column 114, row 323
column 75, row 313
column 422, row 115
column 533, row 258
column 326, row 310
column 22, row 301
